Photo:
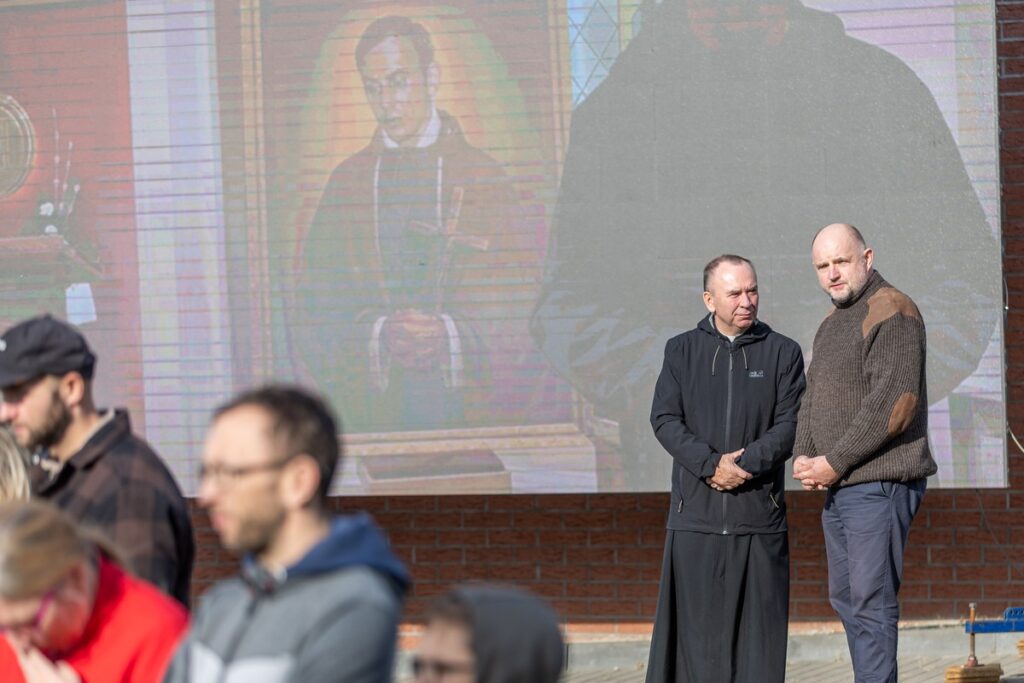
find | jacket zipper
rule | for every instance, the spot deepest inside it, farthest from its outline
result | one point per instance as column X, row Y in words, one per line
column 728, row 433
column 236, row 640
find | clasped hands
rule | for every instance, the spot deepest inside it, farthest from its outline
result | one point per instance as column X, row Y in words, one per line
column 728, row 475
column 814, row 474
column 415, row 339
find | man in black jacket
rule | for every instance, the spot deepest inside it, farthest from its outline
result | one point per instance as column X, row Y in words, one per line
column 725, row 409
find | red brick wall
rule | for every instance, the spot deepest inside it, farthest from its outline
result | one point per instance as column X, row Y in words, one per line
column 597, row 557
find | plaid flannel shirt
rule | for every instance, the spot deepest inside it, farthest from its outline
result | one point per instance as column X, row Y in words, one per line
column 119, row 485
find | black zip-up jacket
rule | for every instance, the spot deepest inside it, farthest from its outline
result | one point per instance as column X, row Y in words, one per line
column 715, row 396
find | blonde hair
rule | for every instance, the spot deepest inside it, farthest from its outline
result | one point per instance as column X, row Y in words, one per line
column 13, row 469
column 39, row 545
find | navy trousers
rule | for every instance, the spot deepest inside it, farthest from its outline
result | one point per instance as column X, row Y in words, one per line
column 866, row 527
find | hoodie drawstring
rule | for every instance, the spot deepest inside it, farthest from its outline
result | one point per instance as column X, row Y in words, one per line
column 713, row 359
column 744, row 350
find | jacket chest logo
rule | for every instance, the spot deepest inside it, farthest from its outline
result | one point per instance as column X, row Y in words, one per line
column 755, row 374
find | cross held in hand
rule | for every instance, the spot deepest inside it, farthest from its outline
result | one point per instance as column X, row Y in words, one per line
column 449, row 229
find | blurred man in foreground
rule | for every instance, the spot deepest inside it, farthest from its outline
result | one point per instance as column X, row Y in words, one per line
column 319, row 595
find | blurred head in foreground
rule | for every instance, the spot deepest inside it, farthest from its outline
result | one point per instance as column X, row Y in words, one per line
column 68, row 611
column 13, row 469
column 490, row 634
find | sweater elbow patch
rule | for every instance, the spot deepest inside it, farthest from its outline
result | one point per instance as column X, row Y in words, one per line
column 902, row 414
column 884, row 304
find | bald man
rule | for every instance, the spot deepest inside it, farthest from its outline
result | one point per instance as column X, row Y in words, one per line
column 862, row 434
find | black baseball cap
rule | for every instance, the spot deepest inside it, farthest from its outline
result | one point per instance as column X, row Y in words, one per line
column 43, row 346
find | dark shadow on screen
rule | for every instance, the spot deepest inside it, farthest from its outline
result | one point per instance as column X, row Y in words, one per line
column 743, row 127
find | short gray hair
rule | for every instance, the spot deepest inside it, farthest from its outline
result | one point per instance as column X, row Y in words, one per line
column 712, row 266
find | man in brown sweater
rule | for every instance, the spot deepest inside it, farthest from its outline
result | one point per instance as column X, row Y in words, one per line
column 862, row 433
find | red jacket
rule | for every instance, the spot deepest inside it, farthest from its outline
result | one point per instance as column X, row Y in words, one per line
column 131, row 635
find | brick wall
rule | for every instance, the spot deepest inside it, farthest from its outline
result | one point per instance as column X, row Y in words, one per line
column 597, row 557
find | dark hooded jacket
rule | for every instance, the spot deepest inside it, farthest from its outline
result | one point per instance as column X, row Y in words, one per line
column 714, row 396
column 516, row 638
column 330, row 618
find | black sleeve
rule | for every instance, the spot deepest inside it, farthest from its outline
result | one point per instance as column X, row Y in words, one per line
column 668, row 418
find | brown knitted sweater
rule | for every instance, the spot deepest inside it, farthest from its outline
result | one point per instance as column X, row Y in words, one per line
column 866, row 405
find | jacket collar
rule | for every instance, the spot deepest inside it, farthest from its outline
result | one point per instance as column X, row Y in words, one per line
column 755, row 332
column 428, row 136
column 353, row 540
column 443, row 130
column 874, row 283
column 101, row 441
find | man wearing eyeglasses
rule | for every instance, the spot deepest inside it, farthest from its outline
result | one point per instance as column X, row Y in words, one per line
column 87, row 461
column 319, row 595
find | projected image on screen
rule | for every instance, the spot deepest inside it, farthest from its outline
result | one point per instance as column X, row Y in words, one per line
column 742, row 127
column 415, row 267
column 67, row 223
column 474, row 225
column 408, row 231
column 485, row 219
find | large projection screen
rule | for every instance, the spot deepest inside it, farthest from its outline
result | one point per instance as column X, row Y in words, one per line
column 473, row 225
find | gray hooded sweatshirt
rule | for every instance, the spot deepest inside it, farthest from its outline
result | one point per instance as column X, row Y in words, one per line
column 331, row 618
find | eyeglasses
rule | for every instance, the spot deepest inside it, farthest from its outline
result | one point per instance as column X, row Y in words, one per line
column 397, row 81
column 228, row 475
column 438, row 669
column 36, row 621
